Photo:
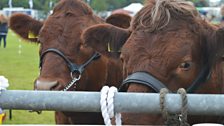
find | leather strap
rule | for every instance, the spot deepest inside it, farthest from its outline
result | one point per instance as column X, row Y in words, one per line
column 144, row 79
column 203, row 76
column 72, row 66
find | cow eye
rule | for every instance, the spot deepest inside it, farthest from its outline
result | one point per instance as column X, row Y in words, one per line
column 185, row 65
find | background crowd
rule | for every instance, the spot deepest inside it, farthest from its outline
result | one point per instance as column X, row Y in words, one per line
column 3, row 29
column 213, row 13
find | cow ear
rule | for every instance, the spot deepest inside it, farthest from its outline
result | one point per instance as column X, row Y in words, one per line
column 105, row 38
column 120, row 20
column 25, row 26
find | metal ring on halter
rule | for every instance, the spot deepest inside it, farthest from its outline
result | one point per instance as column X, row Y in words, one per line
column 77, row 78
column 72, row 83
column 76, row 72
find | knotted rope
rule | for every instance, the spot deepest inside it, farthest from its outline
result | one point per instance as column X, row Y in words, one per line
column 174, row 119
column 107, row 105
column 184, row 108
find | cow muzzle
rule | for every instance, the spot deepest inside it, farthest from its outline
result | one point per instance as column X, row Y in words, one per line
column 45, row 85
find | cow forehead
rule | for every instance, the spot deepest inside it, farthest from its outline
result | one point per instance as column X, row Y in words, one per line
column 65, row 31
column 74, row 7
column 172, row 41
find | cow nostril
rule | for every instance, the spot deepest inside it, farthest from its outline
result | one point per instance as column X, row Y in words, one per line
column 46, row 85
column 54, row 86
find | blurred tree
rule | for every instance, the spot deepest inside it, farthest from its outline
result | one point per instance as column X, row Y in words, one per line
column 114, row 4
column 37, row 4
column 102, row 5
column 3, row 3
column 200, row 3
column 20, row 3
column 45, row 5
column 99, row 5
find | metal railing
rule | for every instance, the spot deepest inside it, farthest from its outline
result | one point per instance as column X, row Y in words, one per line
column 198, row 104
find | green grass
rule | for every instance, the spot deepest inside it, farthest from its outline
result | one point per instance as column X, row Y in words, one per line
column 19, row 63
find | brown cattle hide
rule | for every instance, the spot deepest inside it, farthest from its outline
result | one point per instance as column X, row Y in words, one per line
column 169, row 41
column 62, row 31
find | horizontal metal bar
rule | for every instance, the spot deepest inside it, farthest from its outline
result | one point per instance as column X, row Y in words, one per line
column 198, row 104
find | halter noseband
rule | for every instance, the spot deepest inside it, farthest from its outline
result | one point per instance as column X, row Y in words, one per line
column 74, row 68
column 148, row 80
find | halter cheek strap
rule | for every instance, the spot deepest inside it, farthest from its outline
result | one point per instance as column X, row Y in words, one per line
column 203, row 76
column 148, row 80
column 74, row 68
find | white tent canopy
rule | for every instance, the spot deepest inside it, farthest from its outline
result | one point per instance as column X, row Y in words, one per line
column 133, row 7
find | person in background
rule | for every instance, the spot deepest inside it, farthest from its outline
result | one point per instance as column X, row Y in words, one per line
column 201, row 3
column 3, row 29
column 222, row 15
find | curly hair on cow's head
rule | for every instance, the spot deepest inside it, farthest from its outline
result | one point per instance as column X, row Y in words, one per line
column 157, row 14
column 72, row 7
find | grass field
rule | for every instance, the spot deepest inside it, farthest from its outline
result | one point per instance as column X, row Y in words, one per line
column 19, row 63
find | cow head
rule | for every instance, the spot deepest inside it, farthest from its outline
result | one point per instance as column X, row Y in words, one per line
column 62, row 50
column 168, row 41
column 61, row 31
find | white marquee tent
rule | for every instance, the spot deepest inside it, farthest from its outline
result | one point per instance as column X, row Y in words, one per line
column 133, row 8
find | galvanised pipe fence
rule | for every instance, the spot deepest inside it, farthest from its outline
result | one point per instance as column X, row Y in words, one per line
column 198, row 104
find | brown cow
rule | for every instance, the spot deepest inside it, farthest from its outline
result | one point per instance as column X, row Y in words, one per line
column 63, row 57
column 172, row 44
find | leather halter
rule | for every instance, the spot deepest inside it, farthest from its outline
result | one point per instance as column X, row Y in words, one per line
column 144, row 79
column 148, row 80
column 74, row 68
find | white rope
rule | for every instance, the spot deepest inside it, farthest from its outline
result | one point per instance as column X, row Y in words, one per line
column 107, row 106
column 4, row 83
column 103, row 104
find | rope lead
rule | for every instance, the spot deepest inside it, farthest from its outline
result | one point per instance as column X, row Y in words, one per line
column 174, row 119
column 107, row 106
